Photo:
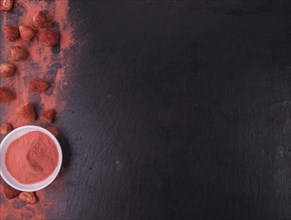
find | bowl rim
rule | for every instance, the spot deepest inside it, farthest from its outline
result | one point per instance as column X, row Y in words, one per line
column 50, row 178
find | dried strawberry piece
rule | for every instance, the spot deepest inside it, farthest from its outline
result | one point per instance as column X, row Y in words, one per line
column 6, row 128
column 41, row 20
column 27, row 112
column 11, row 33
column 6, row 95
column 18, row 53
column 26, row 32
column 47, row 116
column 49, row 38
column 7, row 70
column 10, row 192
column 6, row 5
column 28, row 197
column 38, row 85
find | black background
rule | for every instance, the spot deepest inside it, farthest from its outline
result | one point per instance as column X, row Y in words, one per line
column 178, row 110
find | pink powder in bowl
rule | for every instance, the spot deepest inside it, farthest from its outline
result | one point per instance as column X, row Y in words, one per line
column 32, row 157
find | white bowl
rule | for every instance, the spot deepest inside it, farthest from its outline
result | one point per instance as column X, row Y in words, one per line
column 9, row 179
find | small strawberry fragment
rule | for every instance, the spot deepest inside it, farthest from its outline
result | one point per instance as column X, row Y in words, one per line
column 18, row 53
column 7, row 69
column 38, row 85
column 49, row 38
column 10, row 192
column 6, row 5
column 47, row 116
column 27, row 112
column 5, row 128
column 6, row 95
column 41, row 20
column 11, row 33
column 28, row 197
column 26, row 32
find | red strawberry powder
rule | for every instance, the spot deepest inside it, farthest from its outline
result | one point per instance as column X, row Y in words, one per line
column 32, row 157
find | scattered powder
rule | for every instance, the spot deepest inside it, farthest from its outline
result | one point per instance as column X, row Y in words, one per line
column 36, row 155
column 51, row 64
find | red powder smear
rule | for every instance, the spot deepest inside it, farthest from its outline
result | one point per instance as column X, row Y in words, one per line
column 36, row 155
column 52, row 64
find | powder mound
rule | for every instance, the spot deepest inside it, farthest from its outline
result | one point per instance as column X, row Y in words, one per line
column 32, row 157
